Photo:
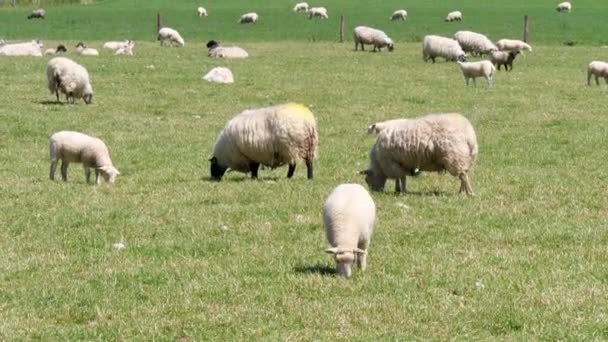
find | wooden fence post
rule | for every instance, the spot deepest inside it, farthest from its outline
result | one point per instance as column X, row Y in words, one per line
column 526, row 28
column 342, row 29
column 158, row 24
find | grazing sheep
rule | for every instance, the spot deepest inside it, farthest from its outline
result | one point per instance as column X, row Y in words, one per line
column 505, row 58
column 317, row 12
column 83, row 50
column 170, row 34
column 564, row 7
column 271, row 136
column 472, row 70
column 37, row 14
column 32, row 48
column 115, row 45
column 201, row 12
column 301, row 7
column 513, row 45
column 437, row 46
column 399, row 15
column 75, row 147
column 454, row 16
column 69, row 78
column 60, row 49
column 247, row 18
column 219, row 75
column 349, row 215
column 597, row 69
column 217, row 51
column 435, row 142
column 367, row 35
column 474, row 42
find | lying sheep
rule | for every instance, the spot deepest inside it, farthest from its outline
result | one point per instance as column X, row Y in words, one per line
column 505, row 58
column 435, row 142
column 349, row 215
column 219, row 75
column 437, row 46
column 126, row 50
column 271, row 136
column 201, row 12
column 597, row 69
column 564, row 7
column 472, row 70
column 301, row 7
column 217, row 51
column 249, row 18
column 75, row 147
column 171, row 35
column 58, row 50
column 37, row 14
column 32, row 48
column 474, row 42
column 367, row 35
column 115, row 45
column 454, row 16
column 317, row 12
column 513, row 45
column 399, row 15
column 69, row 78
column 83, row 50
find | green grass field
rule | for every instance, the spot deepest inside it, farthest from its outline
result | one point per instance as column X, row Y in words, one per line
column 525, row 259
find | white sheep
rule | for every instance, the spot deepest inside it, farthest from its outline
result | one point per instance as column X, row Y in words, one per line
column 250, row 17
column 474, row 42
column 437, row 46
column 505, row 58
column 201, row 12
column 301, row 7
column 219, row 75
column 349, row 215
column 513, row 45
column 318, row 12
column 170, row 34
column 472, row 70
column 597, row 69
column 217, row 51
column 70, row 78
column 270, row 136
column 454, row 16
column 367, row 35
column 116, row 45
column 32, row 48
column 399, row 15
column 75, row 147
column 564, row 7
column 125, row 49
column 37, row 14
column 58, row 50
column 435, row 142
column 83, row 50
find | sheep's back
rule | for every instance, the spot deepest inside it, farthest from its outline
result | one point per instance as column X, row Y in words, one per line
column 349, row 214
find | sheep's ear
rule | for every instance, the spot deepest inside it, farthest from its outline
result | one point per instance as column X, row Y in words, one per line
column 359, row 251
column 333, row 250
column 371, row 128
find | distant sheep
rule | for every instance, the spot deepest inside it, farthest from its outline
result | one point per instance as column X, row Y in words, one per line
column 505, row 58
column 472, row 70
column 201, row 12
column 564, row 7
column 513, row 45
column 474, row 42
column 58, row 50
column 83, row 50
column 217, row 51
column 399, row 15
column 126, row 50
column 171, row 35
column 75, row 147
column 37, row 14
column 32, row 48
column 270, row 136
column 301, row 7
column 70, row 78
column 454, row 16
column 435, row 142
column 249, row 18
column 349, row 215
column 597, row 69
column 367, row 35
column 219, row 75
column 317, row 12
column 115, row 45
column 437, row 46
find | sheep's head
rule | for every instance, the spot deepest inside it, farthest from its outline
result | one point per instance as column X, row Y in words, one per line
column 375, row 181
column 61, row 48
column 212, row 44
column 80, row 46
column 88, row 94
column 217, row 171
column 345, row 258
column 390, row 45
column 461, row 58
column 512, row 55
column 109, row 173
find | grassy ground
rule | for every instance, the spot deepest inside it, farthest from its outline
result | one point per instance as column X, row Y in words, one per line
column 241, row 259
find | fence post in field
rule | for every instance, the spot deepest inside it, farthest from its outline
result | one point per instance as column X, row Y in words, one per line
column 526, row 28
column 158, row 22
column 342, row 29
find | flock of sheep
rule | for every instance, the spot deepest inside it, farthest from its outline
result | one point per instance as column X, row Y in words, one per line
column 287, row 134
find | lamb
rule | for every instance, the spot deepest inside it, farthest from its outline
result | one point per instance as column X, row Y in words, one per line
column 215, row 50
column 219, row 75
column 247, row 18
column 75, row 147
column 474, row 42
column 472, row 70
column 60, row 49
column 317, row 12
column 125, row 49
column 437, row 46
column 505, row 58
column 399, row 15
column 271, row 136
column 83, row 50
column 513, row 45
column 69, row 78
column 564, row 7
column 170, row 34
column 597, row 69
column 454, row 16
column 367, row 35
column 349, row 215
column 37, row 14
column 201, row 12
column 115, row 45
column 32, row 48
column 435, row 142
column 301, row 7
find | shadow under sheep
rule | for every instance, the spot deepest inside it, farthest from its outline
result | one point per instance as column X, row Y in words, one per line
column 324, row 270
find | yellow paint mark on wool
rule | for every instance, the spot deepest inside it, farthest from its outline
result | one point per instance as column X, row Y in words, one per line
column 295, row 110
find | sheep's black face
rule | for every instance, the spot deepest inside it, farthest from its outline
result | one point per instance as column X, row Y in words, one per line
column 80, row 44
column 217, row 171
column 391, row 47
column 211, row 44
column 462, row 58
column 61, row 48
column 88, row 98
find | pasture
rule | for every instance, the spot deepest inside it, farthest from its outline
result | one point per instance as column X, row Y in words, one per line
column 242, row 259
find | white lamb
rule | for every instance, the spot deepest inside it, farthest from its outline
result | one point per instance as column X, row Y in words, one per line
column 32, row 48
column 564, row 7
column 201, row 12
column 115, row 45
column 367, row 35
column 474, row 42
column 219, row 75
column 171, row 35
column 399, row 15
column 69, row 78
column 437, row 46
column 597, row 69
column 435, row 142
column 217, row 51
column 472, row 70
column 125, row 49
column 318, row 12
column 349, row 215
column 513, row 45
column 249, row 18
column 75, row 147
column 37, row 14
column 58, row 50
column 270, row 136
column 301, row 7
column 454, row 16
column 83, row 50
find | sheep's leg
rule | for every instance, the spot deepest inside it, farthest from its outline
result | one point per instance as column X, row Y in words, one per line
column 498, row 66
column 433, row 59
column 475, row 82
column 53, row 168
column 254, row 169
column 362, row 258
column 597, row 80
column 97, row 178
column 400, row 185
column 466, row 80
column 292, row 169
column 465, row 185
column 589, row 78
column 64, row 170
column 489, row 80
column 87, row 174
column 309, row 170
